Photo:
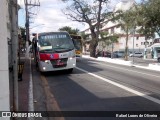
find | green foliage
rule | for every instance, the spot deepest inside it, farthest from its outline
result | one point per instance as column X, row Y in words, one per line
column 84, row 36
column 69, row 30
column 107, row 39
column 23, row 31
column 149, row 14
column 127, row 22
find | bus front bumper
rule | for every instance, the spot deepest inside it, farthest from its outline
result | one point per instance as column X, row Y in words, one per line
column 46, row 66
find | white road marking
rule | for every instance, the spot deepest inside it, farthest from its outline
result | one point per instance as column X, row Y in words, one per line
column 129, row 70
column 30, row 103
column 122, row 86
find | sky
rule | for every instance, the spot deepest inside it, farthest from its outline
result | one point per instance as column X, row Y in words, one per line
column 49, row 16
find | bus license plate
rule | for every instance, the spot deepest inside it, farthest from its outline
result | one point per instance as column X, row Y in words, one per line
column 59, row 63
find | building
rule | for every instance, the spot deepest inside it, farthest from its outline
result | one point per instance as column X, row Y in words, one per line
column 8, row 52
column 5, row 38
column 136, row 41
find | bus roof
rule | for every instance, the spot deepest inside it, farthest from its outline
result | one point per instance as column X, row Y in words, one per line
column 44, row 33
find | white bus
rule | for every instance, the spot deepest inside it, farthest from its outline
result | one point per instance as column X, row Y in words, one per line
column 54, row 51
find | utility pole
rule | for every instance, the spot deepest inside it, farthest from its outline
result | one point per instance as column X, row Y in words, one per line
column 14, row 37
column 27, row 25
column 133, row 46
column 27, row 22
column 145, row 49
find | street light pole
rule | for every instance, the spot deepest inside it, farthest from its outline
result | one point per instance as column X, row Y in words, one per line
column 133, row 46
column 145, row 50
column 27, row 24
column 14, row 37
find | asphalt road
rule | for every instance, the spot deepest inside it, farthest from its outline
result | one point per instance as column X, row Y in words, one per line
column 99, row 86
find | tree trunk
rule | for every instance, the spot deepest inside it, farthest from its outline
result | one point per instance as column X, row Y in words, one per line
column 126, row 48
column 112, row 51
column 126, row 53
column 93, row 43
column 92, row 47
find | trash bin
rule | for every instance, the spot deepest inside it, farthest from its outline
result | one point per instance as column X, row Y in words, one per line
column 20, row 70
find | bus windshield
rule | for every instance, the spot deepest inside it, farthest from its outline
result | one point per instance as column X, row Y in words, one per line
column 77, row 41
column 55, row 42
column 77, row 44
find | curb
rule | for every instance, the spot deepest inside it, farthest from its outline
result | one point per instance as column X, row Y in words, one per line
column 155, row 66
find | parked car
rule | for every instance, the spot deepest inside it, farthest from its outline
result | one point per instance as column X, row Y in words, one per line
column 103, row 54
column 118, row 54
column 136, row 54
column 107, row 54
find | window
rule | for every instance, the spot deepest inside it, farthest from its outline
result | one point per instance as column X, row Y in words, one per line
column 142, row 43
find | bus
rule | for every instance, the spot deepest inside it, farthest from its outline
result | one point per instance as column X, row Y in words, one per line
column 77, row 40
column 54, row 51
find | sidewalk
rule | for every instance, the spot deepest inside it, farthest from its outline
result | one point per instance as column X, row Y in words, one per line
column 149, row 65
column 30, row 90
column 23, row 87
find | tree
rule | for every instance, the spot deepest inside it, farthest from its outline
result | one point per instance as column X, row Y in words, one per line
column 108, row 40
column 148, row 19
column 92, row 12
column 151, row 16
column 23, row 31
column 22, row 37
column 127, row 22
column 69, row 30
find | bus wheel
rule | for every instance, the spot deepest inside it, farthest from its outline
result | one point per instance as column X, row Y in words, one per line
column 70, row 70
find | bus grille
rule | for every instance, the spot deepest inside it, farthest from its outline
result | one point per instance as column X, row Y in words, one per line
column 59, row 62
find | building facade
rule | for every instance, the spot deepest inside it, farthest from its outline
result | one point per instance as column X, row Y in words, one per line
column 4, row 64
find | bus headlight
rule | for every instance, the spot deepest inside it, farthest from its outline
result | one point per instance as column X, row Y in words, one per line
column 72, row 57
column 46, row 61
column 44, row 68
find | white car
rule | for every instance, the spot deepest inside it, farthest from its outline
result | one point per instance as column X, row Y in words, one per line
column 136, row 54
